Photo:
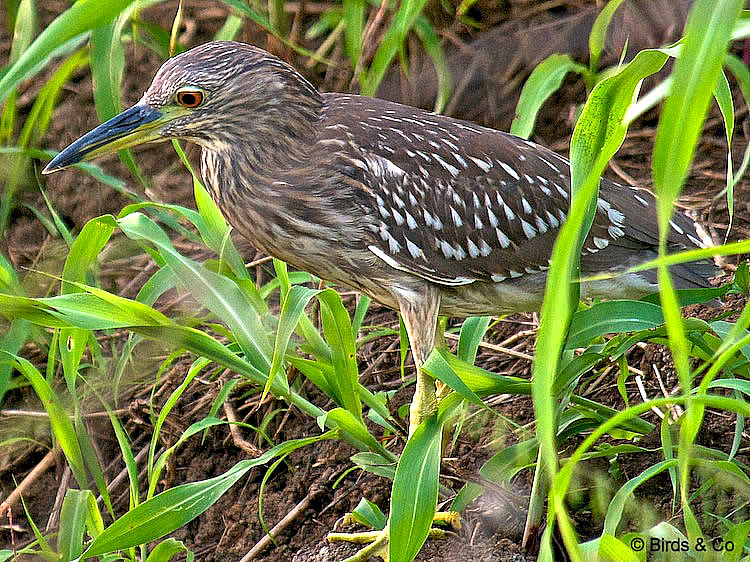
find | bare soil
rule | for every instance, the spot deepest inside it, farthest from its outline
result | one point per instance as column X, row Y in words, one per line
column 228, row 530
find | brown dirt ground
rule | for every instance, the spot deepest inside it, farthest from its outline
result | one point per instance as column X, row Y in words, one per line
column 231, row 527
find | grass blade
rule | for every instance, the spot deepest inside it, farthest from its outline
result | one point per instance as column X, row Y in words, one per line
column 543, row 81
column 415, row 492
column 81, row 17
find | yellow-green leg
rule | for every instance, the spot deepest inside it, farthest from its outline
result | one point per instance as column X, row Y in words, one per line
column 419, row 306
column 377, row 541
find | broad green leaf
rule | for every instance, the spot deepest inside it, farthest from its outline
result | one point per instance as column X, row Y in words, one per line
column 231, row 28
column 598, row 134
column 91, row 460
column 73, row 515
column 723, row 96
column 598, row 35
column 472, row 332
column 292, row 309
column 84, row 252
column 215, row 231
column 415, row 492
column 107, row 66
column 60, row 423
column 472, row 381
column 81, row 17
column 217, row 293
column 707, row 33
column 431, row 43
column 438, row 366
column 392, row 42
column 158, row 466
column 166, row 550
column 177, row 506
column 609, row 317
column 696, row 71
column 367, row 513
column 354, row 23
column 355, row 430
column 338, row 331
column 738, row 537
column 101, row 310
column 543, row 81
column 375, row 463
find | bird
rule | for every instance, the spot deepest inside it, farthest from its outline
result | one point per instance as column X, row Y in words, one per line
column 427, row 214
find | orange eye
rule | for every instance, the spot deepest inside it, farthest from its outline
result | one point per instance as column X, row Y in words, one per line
column 189, row 98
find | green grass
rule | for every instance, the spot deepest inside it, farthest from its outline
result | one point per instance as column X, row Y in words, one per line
column 241, row 329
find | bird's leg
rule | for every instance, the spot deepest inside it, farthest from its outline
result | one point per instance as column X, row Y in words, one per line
column 441, row 388
column 419, row 308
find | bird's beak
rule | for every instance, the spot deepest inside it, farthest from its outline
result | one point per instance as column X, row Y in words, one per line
column 137, row 125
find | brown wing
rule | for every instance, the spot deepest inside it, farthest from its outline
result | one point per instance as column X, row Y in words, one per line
column 454, row 202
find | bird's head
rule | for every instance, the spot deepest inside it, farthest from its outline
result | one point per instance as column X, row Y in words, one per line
column 218, row 94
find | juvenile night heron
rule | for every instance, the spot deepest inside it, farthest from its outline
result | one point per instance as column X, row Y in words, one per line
column 426, row 214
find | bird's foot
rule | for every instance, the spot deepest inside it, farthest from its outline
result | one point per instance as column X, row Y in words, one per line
column 377, row 541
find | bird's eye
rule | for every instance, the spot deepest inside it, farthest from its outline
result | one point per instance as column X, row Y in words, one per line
column 189, row 98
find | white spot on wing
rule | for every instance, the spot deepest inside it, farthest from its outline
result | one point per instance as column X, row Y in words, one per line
column 411, row 223
column 510, row 215
column 502, row 238
column 382, row 167
column 484, row 166
column 616, row 217
column 456, row 217
column 541, row 226
column 446, row 248
column 452, row 170
column 600, row 243
column 484, row 248
column 393, row 245
column 528, row 230
column 550, row 164
column 552, row 219
column 414, row 250
column 429, row 220
column 473, row 249
column 491, row 216
column 510, row 171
